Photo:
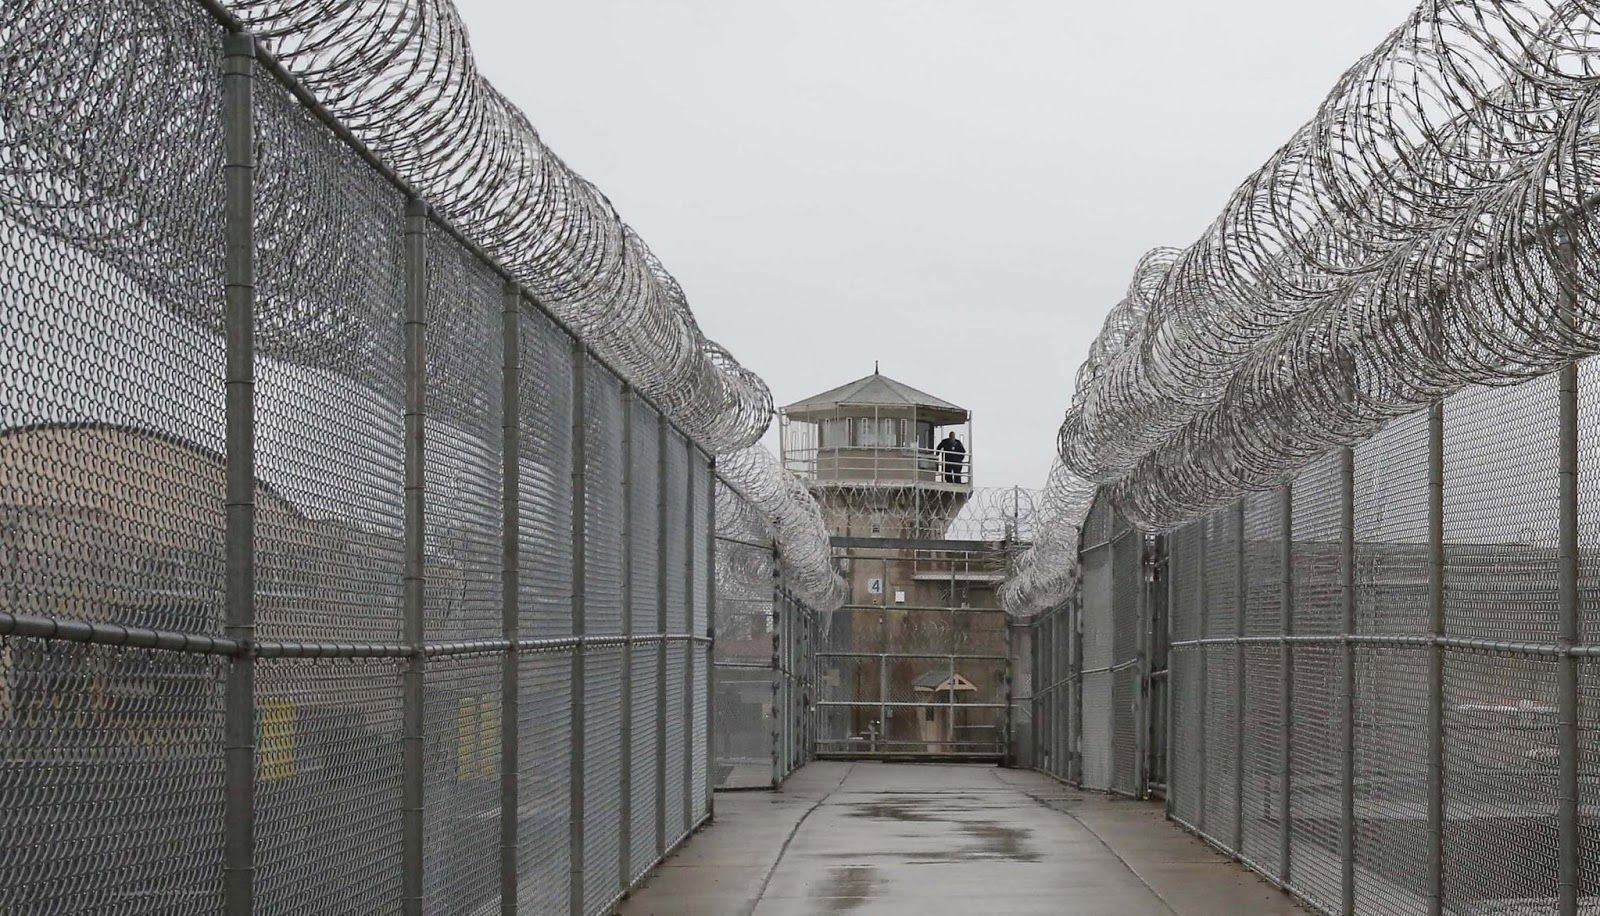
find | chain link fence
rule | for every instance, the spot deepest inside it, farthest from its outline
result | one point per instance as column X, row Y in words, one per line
column 335, row 574
column 1382, row 677
column 766, row 639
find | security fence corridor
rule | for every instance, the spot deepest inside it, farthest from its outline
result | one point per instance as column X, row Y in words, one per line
column 379, row 533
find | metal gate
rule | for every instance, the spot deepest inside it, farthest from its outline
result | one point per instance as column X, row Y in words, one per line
column 1102, row 700
column 896, row 704
column 900, row 680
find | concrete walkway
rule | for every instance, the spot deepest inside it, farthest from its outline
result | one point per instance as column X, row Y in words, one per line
column 928, row 838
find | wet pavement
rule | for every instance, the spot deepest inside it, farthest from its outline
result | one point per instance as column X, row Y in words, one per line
column 929, row 838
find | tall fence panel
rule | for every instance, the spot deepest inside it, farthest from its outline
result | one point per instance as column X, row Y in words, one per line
column 1317, row 706
column 335, row 574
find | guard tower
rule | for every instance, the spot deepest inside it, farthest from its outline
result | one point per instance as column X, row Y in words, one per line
column 908, row 666
column 869, row 452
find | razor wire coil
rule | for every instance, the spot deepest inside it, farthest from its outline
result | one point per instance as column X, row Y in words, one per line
column 1431, row 227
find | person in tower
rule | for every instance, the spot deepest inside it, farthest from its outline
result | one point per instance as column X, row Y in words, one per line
column 952, row 454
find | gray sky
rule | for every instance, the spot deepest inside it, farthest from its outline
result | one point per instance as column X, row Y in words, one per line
column 958, row 188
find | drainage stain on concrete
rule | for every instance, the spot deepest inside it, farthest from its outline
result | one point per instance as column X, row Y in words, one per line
column 970, row 838
column 998, row 841
column 847, row 888
column 893, row 811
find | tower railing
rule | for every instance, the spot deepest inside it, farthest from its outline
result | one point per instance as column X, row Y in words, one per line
column 882, row 465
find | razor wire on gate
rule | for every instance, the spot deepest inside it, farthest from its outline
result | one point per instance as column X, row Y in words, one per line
column 335, row 572
column 766, row 635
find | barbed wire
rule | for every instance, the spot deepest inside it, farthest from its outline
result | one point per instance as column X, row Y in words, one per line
column 400, row 75
column 1046, row 572
column 1430, row 228
column 744, row 559
column 795, row 520
column 981, row 514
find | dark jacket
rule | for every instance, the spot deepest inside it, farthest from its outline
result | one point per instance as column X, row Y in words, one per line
column 952, row 449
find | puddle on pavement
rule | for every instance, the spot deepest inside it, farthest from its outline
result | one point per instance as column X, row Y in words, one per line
column 848, row 888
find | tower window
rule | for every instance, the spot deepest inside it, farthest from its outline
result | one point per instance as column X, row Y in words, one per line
column 833, row 433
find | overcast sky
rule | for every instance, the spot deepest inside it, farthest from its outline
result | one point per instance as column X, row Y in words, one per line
column 957, row 188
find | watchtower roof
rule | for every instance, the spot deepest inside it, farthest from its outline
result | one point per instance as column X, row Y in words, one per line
column 880, row 391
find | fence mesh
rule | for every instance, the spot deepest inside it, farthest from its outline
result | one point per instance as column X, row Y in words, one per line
column 602, row 776
column 544, row 774
column 328, row 775
column 330, row 413
column 461, row 788
column 111, row 774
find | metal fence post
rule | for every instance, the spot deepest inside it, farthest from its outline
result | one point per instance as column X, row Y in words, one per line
column 806, row 685
column 1201, row 727
column 1043, row 680
column 883, row 701
column 1065, row 698
column 1286, row 667
column 1049, row 712
column 1347, row 682
column 625, row 774
column 510, row 584
column 688, row 645
column 711, row 637
column 1076, row 689
column 661, row 641
column 950, row 701
column 580, row 456
column 1170, row 542
column 1146, row 605
column 1060, row 707
column 777, row 669
column 1567, row 634
column 1435, row 728
column 1008, row 745
column 814, row 672
column 1074, row 752
column 238, row 170
column 789, row 640
column 1241, row 605
column 416, row 249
